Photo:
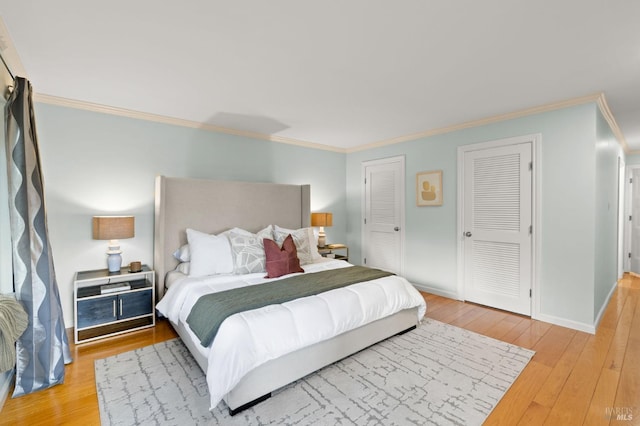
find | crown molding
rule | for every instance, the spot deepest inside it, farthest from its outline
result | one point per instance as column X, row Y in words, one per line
column 606, row 112
column 123, row 112
column 595, row 98
column 598, row 98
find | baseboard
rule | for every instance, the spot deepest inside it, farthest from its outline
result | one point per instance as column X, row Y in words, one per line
column 605, row 304
column 436, row 291
column 5, row 383
column 563, row 322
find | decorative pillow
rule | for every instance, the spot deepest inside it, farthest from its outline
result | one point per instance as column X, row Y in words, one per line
column 281, row 261
column 248, row 253
column 266, row 232
column 210, row 254
column 301, row 240
column 183, row 254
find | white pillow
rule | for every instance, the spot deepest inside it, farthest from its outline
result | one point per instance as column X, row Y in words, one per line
column 210, row 254
column 304, row 240
column 313, row 236
column 183, row 254
column 267, row 232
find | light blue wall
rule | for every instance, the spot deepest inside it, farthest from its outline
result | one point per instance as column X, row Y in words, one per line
column 104, row 164
column 567, row 230
column 608, row 152
column 98, row 164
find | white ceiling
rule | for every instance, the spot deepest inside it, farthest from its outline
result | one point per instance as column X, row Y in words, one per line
column 339, row 73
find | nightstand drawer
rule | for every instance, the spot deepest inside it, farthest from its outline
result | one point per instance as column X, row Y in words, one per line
column 135, row 304
column 97, row 311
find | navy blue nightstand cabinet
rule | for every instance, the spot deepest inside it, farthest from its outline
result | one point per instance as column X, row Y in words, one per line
column 107, row 304
column 98, row 311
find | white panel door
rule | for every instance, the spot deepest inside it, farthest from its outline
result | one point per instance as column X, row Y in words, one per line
column 384, row 201
column 497, row 216
column 634, row 264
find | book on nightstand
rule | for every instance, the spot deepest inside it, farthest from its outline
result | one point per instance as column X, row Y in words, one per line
column 115, row 287
column 335, row 246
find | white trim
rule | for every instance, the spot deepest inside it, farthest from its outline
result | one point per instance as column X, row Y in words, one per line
column 536, row 220
column 622, row 173
column 598, row 318
column 598, row 98
column 460, row 227
column 122, row 112
column 535, row 140
column 436, row 291
column 606, row 112
column 403, row 207
column 563, row 322
column 628, row 197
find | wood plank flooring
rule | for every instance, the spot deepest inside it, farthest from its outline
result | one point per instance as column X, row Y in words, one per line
column 575, row 378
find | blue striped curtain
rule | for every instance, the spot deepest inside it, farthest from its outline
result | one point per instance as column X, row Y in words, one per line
column 43, row 348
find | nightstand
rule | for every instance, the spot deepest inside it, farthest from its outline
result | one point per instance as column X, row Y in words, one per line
column 108, row 304
column 330, row 251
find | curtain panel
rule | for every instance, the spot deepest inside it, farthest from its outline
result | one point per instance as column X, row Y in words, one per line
column 43, row 348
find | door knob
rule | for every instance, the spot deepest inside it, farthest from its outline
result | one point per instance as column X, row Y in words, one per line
column 397, row 228
column 467, row 234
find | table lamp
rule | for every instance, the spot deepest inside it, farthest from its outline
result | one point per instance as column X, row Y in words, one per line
column 113, row 228
column 321, row 220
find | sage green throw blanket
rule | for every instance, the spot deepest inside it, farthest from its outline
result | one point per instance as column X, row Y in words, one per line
column 212, row 309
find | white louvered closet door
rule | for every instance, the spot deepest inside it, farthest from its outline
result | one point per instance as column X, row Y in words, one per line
column 383, row 215
column 497, row 220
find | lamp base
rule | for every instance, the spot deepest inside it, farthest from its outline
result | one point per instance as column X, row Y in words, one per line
column 114, row 261
column 322, row 241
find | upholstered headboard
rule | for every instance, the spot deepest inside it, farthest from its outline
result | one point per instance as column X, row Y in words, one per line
column 215, row 206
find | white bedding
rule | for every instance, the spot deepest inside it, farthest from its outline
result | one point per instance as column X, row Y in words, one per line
column 249, row 339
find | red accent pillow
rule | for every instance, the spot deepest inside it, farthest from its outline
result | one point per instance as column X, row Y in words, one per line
column 281, row 261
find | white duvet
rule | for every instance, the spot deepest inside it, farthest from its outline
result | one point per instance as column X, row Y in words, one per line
column 249, row 339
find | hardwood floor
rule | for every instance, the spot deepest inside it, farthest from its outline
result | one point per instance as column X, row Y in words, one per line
column 574, row 377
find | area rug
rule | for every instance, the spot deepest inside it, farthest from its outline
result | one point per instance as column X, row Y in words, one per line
column 436, row 374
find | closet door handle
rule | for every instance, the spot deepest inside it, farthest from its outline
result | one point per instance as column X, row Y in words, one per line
column 467, row 234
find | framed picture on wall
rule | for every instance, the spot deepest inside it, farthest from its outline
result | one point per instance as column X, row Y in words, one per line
column 429, row 188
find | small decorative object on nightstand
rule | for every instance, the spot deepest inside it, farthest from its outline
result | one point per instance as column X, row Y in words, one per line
column 329, row 251
column 108, row 303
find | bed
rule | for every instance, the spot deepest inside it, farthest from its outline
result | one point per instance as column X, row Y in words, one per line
column 239, row 370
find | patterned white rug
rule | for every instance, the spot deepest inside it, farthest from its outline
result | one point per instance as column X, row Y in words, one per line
column 436, row 374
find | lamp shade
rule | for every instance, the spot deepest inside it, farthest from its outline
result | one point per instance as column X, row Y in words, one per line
column 321, row 219
column 113, row 227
